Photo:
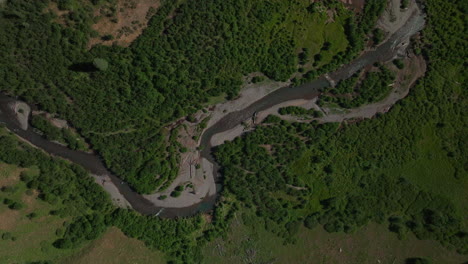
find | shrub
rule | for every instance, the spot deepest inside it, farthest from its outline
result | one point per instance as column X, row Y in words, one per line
column 175, row 194
column 399, row 63
column 16, row 206
column 6, row 236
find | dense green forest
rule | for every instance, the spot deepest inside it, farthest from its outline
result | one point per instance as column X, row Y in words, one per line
column 63, row 135
column 373, row 87
column 120, row 98
column 406, row 168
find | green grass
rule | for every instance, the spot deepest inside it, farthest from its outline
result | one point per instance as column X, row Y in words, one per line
column 298, row 22
column 34, row 237
column 433, row 171
column 115, row 248
column 302, row 166
column 253, row 244
column 216, row 99
column 6, row 171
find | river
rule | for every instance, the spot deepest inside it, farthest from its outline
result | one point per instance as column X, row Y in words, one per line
column 95, row 165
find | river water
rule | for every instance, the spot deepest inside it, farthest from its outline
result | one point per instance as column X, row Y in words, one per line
column 94, row 164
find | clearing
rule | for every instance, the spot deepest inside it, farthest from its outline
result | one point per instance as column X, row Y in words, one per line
column 115, row 248
column 123, row 23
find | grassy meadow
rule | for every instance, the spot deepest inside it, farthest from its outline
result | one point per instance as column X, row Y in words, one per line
column 27, row 234
column 370, row 244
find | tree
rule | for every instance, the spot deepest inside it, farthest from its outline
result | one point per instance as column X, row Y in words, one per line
column 417, row 261
column 100, row 64
column 6, row 236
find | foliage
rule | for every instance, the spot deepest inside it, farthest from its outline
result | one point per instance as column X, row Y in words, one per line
column 399, row 63
column 89, row 212
column 404, row 4
column 170, row 71
column 377, row 35
column 62, row 135
column 417, row 261
column 100, row 64
column 168, row 235
column 343, row 177
column 258, row 79
column 374, row 87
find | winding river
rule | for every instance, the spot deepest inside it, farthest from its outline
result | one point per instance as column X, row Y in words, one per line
column 94, row 164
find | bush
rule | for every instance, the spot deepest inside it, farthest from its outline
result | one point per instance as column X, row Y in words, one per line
column 175, row 194
column 16, row 206
column 9, row 189
column 8, row 201
column 311, row 221
column 257, row 79
column 399, row 63
column 31, row 215
column 27, row 175
column 417, row 261
column 6, row 236
column 404, row 4
column 378, row 35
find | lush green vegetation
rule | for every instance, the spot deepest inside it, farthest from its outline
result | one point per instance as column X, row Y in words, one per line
column 399, row 63
column 405, row 169
column 62, row 135
column 248, row 241
column 343, row 176
column 81, row 211
column 121, row 111
column 28, row 234
column 374, row 87
column 378, row 35
column 121, row 98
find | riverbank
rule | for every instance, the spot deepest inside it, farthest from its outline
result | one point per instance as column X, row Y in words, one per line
column 196, row 173
column 415, row 67
column 226, row 119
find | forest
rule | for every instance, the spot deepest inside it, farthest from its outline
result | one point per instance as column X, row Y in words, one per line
column 342, row 176
column 353, row 92
column 405, row 168
column 121, row 98
column 62, row 135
